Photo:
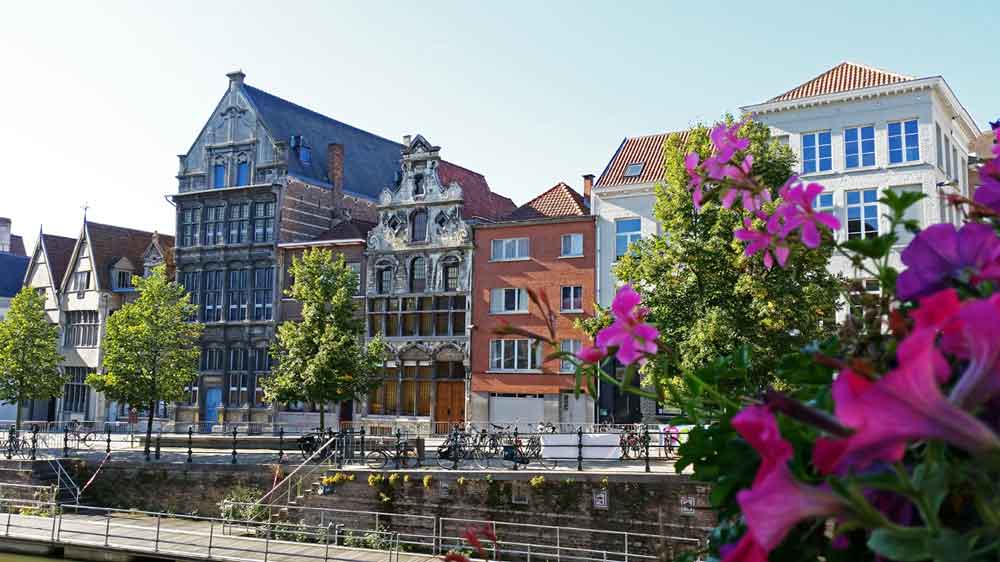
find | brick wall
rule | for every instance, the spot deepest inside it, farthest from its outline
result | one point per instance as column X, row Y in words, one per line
column 306, row 211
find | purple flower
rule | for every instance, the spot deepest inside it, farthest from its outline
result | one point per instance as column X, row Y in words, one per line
column 940, row 253
column 988, row 193
column 973, row 336
column 633, row 337
column 769, row 241
column 752, row 198
column 727, row 140
column 798, row 213
column 691, row 166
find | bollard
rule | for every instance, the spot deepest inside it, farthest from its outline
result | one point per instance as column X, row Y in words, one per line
column 579, row 448
column 645, row 441
column 157, row 446
column 362, row 443
column 34, row 441
column 281, row 445
column 517, row 449
column 65, row 441
column 234, row 446
column 190, row 439
column 146, row 449
column 109, row 441
column 10, row 442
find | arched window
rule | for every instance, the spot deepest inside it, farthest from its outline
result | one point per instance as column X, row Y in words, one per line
column 418, row 184
column 449, row 274
column 418, row 226
column 219, row 173
column 418, row 275
column 242, row 170
column 383, row 279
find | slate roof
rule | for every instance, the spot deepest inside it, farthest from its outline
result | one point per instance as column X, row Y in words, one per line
column 59, row 250
column 370, row 161
column 844, row 77
column 646, row 150
column 111, row 243
column 17, row 245
column 12, row 269
column 347, row 230
column 560, row 200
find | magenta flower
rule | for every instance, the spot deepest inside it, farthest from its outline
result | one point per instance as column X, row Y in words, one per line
column 691, row 166
column 758, row 426
column 974, row 335
column 751, row 198
column 940, row 253
column 777, row 503
column 590, row 354
column 727, row 140
column 768, row 241
column 633, row 337
column 746, row 550
column 936, row 311
column 905, row 405
column 988, row 193
column 798, row 213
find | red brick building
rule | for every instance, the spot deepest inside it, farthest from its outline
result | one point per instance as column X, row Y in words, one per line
column 546, row 245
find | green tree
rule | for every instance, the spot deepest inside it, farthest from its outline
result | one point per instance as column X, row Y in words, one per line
column 707, row 298
column 322, row 358
column 150, row 348
column 29, row 360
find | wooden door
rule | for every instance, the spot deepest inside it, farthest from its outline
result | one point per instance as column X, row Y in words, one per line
column 449, row 404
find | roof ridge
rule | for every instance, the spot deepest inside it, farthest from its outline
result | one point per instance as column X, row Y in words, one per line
column 876, row 69
column 834, row 69
column 135, row 230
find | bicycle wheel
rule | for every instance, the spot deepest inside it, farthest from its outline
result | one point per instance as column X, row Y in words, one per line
column 409, row 459
column 376, row 460
column 445, row 455
column 87, row 439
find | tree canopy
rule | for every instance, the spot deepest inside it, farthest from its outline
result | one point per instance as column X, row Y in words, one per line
column 29, row 357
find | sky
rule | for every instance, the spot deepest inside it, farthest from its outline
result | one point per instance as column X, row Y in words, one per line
column 98, row 98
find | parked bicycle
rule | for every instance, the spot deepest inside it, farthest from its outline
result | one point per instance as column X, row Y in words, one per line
column 524, row 452
column 461, row 447
column 15, row 446
column 80, row 434
column 402, row 455
column 311, row 441
column 634, row 443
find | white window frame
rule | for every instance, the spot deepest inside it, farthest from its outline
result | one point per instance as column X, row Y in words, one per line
column 860, row 145
column 572, row 297
column 573, row 237
column 632, row 236
column 75, row 281
column 128, row 279
column 861, row 204
column 818, row 159
column 510, row 249
column 498, row 300
column 499, row 349
column 573, row 346
column 903, row 144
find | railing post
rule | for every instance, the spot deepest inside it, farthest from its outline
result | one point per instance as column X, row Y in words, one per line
column 579, row 448
column 7, row 531
column 65, row 441
column 267, row 545
column 626, row 546
column 362, row 443
column 156, row 543
column 157, row 453
column 559, row 543
column 517, row 449
column 107, row 528
column 234, row 445
column 340, row 449
column 190, row 439
column 645, row 440
column 281, row 445
column 211, row 535
column 326, row 551
column 34, row 441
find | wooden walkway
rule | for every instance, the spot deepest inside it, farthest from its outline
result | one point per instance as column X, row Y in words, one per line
column 180, row 539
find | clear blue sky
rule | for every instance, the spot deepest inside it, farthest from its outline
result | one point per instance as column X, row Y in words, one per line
column 98, row 98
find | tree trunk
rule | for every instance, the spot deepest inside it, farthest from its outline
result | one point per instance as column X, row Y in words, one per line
column 322, row 416
column 19, row 417
column 149, row 425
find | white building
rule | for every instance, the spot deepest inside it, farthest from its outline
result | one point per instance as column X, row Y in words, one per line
column 861, row 131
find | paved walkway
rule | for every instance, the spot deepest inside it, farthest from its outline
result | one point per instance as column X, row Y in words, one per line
column 186, row 539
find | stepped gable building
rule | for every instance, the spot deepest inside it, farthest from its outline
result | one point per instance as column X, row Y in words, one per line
column 546, row 245
column 85, row 280
column 418, row 278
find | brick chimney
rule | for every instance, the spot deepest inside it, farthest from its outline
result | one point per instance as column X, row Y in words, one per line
column 236, row 79
column 4, row 234
column 335, row 162
column 588, row 185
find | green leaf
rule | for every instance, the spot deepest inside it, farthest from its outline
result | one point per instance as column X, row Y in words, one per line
column 948, row 546
column 899, row 201
column 873, row 248
column 932, row 482
column 908, row 547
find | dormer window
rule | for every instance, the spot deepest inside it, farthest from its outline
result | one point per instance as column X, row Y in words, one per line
column 242, row 170
column 633, row 170
column 123, row 279
column 219, row 173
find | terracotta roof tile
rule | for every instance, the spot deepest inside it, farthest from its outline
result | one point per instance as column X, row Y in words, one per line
column 645, row 152
column 59, row 250
column 111, row 243
column 560, row 200
column 844, row 77
column 479, row 200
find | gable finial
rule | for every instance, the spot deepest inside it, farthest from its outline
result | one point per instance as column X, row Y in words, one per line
column 85, row 207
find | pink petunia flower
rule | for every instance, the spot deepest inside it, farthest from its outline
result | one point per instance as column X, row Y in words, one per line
column 759, row 427
column 590, row 354
column 988, row 192
column 905, row 405
column 798, row 213
column 691, row 162
column 768, row 241
column 633, row 337
column 974, row 336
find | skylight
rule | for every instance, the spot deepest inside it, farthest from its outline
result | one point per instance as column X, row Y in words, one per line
column 634, row 169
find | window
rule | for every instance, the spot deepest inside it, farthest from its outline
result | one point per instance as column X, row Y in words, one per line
column 76, row 393
column 505, row 249
column 418, row 184
column 263, row 221
column 261, row 360
column 904, row 142
column 80, row 281
column 237, row 295
column 190, row 227
column 219, row 174
column 947, row 160
column 81, row 328
column 237, row 359
column 383, row 279
column 418, row 275
column 239, row 222
column 238, row 386
column 940, row 149
column 913, row 212
column 211, row 359
column 572, row 245
column 824, row 203
column 212, row 303
column 418, row 226
column 817, row 155
column 189, row 280
column 449, row 273
column 263, row 285
column 572, row 299
column 417, row 316
column 242, row 170
column 626, row 232
column 633, row 170
column 859, row 146
column 508, row 300
column 862, row 214
column 514, row 354
column 191, row 392
column 215, row 225
column 305, row 154
column 954, row 163
column 415, row 389
column 963, row 176
column 568, row 346
column 123, row 279
column 356, row 269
